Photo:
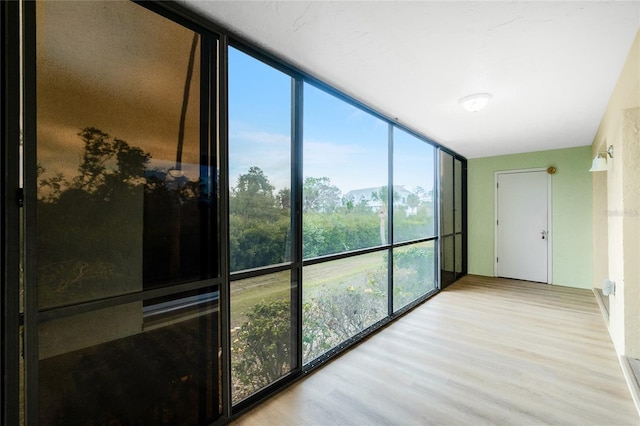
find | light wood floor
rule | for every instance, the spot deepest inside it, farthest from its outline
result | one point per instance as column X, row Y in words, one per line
column 485, row 351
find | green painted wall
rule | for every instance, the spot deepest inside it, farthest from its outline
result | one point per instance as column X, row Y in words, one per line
column 571, row 215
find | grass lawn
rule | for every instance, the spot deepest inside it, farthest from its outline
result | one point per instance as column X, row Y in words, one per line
column 320, row 277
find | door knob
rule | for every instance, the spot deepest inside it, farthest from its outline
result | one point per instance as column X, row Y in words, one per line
column 544, row 234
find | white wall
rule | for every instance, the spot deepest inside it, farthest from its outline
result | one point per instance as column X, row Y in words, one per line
column 616, row 209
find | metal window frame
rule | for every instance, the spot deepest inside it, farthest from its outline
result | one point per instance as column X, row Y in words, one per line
column 390, row 218
column 10, row 226
column 29, row 216
column 297, row 121
column 221, row 135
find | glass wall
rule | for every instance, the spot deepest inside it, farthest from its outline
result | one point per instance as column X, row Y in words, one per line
column 345, row 188
column 341, row 299
column 345, row 208
column 413, row 218
column 122, row 148
column 157, row 366
column 413, row 177
column 452, row 207
column 458, row 214
column 413, row 273
column 210, row 236
column 125, row 205
column 261, row 332
column 259, row 163
column 349, row 215
column 260, row 230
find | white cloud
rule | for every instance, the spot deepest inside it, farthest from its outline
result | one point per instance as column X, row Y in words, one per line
column 349, row 166
column 269, row 151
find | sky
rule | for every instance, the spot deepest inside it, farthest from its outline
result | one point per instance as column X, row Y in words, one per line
column 117, row 67
column 121, row 68
column 340, row 141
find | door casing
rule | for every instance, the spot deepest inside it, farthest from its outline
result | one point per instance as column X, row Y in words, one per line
column 549, row 220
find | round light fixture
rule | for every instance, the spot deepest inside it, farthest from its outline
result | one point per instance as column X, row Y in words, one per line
column 475, row 102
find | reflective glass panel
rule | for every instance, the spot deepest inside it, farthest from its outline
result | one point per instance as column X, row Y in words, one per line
column 447, row 266
column 413, row 172
column 262, row 332
column 458, row 195
column 458, row 254
column 340, row 299
column 130, row 365
column 345, row 190
column 124, row 181
column 259, row 163
column 413, row 273
column 446, row 193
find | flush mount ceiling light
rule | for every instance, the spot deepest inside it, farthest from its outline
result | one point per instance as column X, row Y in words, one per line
column 475, row 102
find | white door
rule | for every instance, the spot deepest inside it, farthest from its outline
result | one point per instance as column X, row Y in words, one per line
column 522, row 225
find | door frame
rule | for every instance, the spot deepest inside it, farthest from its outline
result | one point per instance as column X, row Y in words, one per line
column 496, row 174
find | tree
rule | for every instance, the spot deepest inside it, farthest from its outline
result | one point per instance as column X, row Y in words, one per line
column 80, row 254
column 95, row 171
column 259, row 222
column 253, row 195
column 423, row 195
column 283, row 199
column 360, row 207
column 254, row 182
column 413, row 202
column 52, row 187
column 319, row 195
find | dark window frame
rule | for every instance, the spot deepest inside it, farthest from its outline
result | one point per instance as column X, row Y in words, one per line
column 11, row 320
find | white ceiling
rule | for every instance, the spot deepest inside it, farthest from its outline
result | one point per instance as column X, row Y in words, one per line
column 550, row 66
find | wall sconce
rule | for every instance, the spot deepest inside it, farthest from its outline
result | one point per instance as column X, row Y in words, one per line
column 600, row 160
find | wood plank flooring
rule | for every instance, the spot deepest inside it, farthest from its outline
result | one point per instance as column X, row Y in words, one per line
column 485, row 351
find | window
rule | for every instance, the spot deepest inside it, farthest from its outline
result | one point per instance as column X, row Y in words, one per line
column 341, row 299
column 452, row 217
column 263, row 334
column 345, row 209
column 125, row 205
column 413, row 176
column 123, row 191
column 345, row 205
column 106, row 366
column 413, row 273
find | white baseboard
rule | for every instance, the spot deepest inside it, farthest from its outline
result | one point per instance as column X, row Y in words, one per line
column 632, row 381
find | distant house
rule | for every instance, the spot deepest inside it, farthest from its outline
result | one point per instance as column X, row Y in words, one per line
column 371, row 198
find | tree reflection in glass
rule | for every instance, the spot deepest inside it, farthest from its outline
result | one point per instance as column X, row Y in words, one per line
column 125, row 203
column 125, row 184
